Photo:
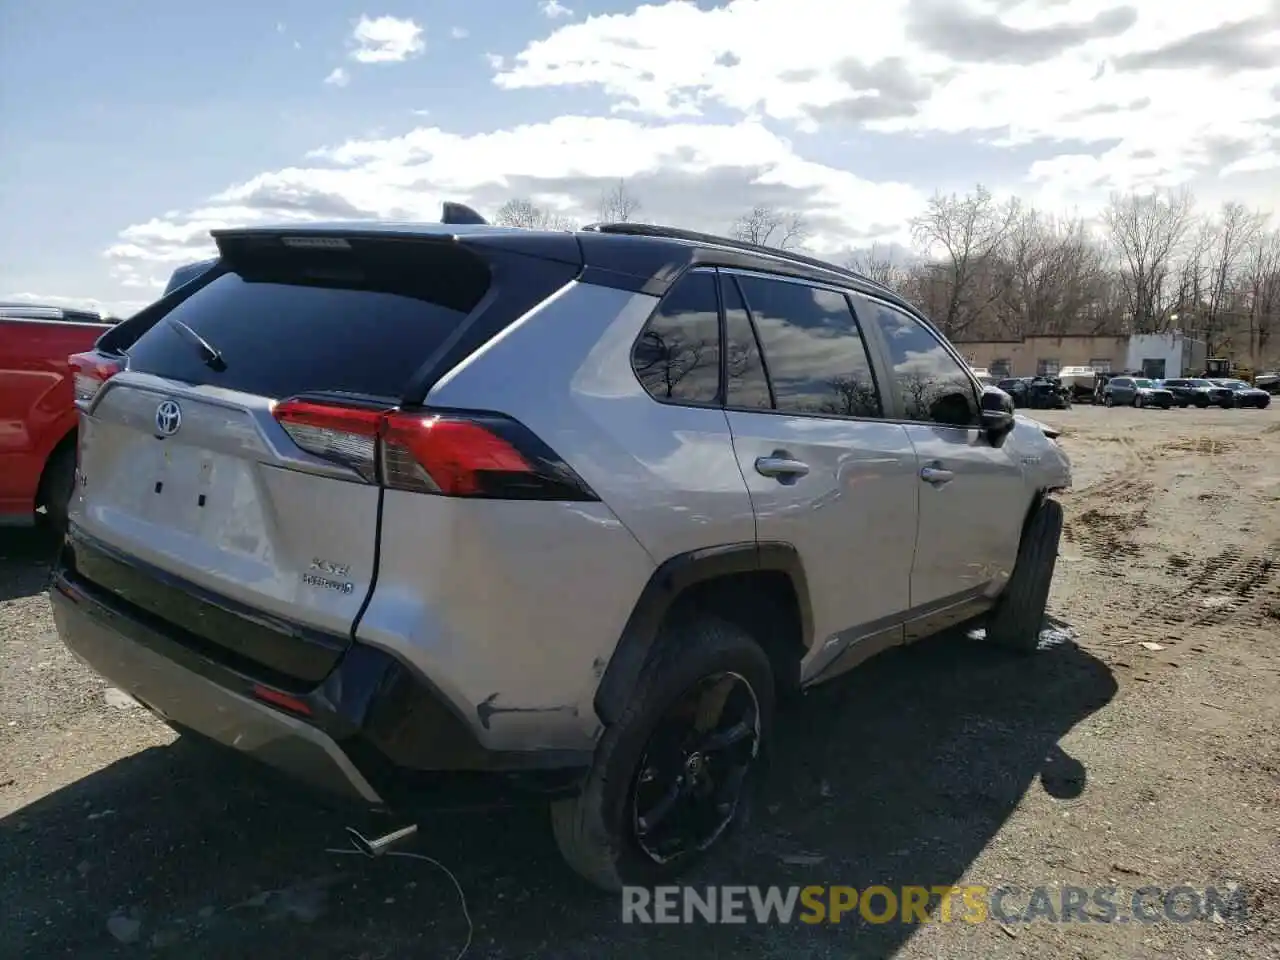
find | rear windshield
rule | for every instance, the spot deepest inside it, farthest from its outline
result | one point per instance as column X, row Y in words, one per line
column 282, row 331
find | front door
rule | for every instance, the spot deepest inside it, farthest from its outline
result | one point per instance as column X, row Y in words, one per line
column 972, row 496
column 825, row 471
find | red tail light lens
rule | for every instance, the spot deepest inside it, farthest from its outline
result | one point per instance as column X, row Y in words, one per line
column 454, row 455
column 347, row 435
column 89, row 371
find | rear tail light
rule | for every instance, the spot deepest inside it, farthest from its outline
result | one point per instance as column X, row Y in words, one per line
column 448, row 454
column 89, row 371
column 347, row 435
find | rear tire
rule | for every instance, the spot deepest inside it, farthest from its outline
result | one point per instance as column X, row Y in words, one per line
column 599, row 831
column 57, row 485
column 1019, row 614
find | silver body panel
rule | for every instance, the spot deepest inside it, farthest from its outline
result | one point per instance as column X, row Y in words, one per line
column 228, row 502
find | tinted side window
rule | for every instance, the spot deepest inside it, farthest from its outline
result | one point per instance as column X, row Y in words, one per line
column 748, row 386
column 813, row 350
column 933, row 386
column 677, row 357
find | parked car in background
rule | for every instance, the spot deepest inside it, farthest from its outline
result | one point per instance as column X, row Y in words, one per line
column 1269, row 382
column 37, row 408
column 288, row 549
column 1135, row 392
column 1016, row 388
column 1195, row 391
column 1244, row 394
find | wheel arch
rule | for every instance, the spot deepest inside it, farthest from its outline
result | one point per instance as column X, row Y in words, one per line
column 65, row 442
column 761, row 586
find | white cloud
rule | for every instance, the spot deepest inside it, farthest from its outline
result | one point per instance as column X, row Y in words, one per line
column 385, row 39
column 338, row 77
column 496, row 60
column 554, row 9
column 565, row 164
column 280, row 27
column 1158, row 90
column 459, row 33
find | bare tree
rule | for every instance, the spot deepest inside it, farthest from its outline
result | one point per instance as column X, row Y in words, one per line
column 1051, row 275
column 618, row 204
column 768, row 227
column 1228, row 241
column 967, row 234
column 879, row 266
column 1147, row 231
column 1261, row 294
column 521, row 212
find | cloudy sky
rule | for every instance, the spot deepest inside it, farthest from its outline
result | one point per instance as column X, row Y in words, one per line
column 132, row 129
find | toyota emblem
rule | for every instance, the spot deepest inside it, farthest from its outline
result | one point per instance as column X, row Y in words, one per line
column 168, row 418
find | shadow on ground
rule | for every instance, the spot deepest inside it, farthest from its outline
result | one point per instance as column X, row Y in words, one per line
column 26, row 554
column 899, row 774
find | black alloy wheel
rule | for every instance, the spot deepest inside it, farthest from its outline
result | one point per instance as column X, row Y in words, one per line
column 691, row 775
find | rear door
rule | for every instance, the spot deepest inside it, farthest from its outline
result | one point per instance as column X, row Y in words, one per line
column 825, row 471
column 972, row 496
column 195, row 502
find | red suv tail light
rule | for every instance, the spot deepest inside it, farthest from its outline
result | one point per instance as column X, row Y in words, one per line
column 89, row 371
column 450, row 454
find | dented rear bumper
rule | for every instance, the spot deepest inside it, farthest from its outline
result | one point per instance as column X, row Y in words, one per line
column 372, row 730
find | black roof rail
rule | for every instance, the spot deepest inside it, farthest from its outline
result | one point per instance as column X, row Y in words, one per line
column 628, row 228
column 460, row 213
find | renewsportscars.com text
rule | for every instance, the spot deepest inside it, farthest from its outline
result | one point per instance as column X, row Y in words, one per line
column 821, row 904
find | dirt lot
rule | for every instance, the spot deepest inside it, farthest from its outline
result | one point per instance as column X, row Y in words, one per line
column 1097, row 762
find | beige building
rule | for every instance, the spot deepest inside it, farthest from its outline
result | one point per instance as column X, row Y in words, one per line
column 1046, row 355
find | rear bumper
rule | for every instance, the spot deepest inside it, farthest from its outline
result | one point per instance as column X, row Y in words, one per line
column 188, row 699
column 372, row 731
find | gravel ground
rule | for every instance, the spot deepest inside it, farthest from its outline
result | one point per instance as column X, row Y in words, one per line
column 1140, row 746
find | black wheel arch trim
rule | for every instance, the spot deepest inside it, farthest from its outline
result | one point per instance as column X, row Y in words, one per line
column 664, row 587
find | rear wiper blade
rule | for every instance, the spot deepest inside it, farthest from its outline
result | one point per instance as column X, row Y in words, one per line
column 210, row 354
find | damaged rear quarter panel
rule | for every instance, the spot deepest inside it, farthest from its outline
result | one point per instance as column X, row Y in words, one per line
column 508, row 607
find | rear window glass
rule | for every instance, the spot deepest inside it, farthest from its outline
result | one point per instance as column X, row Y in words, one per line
column 283, row 332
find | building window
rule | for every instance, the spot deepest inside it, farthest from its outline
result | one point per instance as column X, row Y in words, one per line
column 1101, row 366
column 1047, row 368
column 1000, row 367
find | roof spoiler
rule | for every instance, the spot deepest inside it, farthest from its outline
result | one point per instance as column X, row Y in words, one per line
column 461, row 213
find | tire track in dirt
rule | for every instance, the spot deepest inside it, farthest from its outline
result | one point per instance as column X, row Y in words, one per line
column 1110, row 511
column 1232, row 586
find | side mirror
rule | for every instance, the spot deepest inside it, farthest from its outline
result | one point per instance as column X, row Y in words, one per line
column 997, row 414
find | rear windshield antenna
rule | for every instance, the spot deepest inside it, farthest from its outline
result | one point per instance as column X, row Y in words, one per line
column 461, row 213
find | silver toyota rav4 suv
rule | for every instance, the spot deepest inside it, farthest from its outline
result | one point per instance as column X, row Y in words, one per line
column 391, row 506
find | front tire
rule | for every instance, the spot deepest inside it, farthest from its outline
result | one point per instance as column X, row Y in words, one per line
column 1108, row 401
column 1019, row 614
column 661, row 796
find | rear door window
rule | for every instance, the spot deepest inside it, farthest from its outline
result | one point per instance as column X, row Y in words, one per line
column 748, row 385
column 360, row 325
column 813, row 349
